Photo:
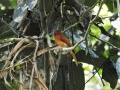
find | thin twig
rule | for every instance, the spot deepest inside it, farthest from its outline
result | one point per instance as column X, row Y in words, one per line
column 87, row 32
column 34, row 65
column 24, row 30
column 5, row 45
column 92, row 76
column 88, row 29
column 34, row 57
column 47, row 49
column 71, row 48
column 31, row 78
column 8, row 26
column 91, row 22
column 36, row 48
column 5, row 71
column 105, row 42
column 19, row 52
column 81, row 18
column 49, row 41
column 34, row 69
column 97, row 70
column 21, row 81
column 13, row 40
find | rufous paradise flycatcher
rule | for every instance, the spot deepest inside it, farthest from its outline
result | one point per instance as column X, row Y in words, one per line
column 63, row 41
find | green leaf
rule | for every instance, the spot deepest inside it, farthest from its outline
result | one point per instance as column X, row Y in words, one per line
column 110, row 5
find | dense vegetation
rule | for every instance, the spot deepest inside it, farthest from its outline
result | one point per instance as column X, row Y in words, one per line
column 30, row 58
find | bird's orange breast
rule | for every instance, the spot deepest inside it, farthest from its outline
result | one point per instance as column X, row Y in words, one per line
column 60, row 42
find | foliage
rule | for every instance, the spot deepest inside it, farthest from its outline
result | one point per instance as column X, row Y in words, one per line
column 29, row 55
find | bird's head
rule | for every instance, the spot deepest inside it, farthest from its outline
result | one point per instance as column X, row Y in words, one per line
column 57, row 32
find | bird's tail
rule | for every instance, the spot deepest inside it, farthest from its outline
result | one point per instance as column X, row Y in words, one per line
column 74, row 57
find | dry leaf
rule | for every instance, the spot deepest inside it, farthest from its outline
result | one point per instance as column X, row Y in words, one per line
column 40, row 83
column 52, row 63
column 2, row 73
column 19, row 44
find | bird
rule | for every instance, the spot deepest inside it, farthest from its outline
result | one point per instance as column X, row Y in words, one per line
column 63, row 41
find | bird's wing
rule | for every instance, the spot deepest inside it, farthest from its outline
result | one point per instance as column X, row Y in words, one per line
column 65, row 40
